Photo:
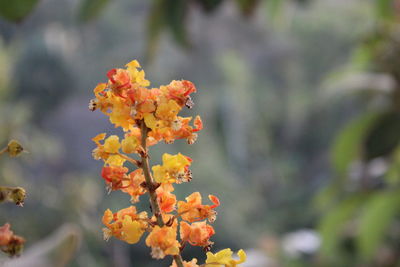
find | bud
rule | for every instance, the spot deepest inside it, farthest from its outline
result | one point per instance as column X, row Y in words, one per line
column 192, row 139
column 14, row 148
column 14, row 246
column 12, row 194
column 189, row 102
column 92, row 104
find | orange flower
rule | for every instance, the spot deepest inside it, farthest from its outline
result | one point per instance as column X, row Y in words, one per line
column 162, row 241
column 166, row 199
column 133, row 185
column 119, row 81
column 5, row 234
column 197, row 234
column 114, row 176
column 192, row 210
column 179, row 91
column 125, row 225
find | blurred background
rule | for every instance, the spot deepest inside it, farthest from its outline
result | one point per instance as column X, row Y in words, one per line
column 300, row 101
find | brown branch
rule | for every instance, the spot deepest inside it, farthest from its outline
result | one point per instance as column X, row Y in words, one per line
column 151, row 186
column 131, row 160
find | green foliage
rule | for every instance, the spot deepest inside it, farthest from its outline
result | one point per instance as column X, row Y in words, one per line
column 175, row 14
column 334, row 222
column 383, row 137
column 209, row 5
column 348, row 144
column 90, row 9
column 384, row 8
column 392, row 176
column 273, row 7
column 16, row 10
column 166, row 14
column 378, row 214
column 247, row 6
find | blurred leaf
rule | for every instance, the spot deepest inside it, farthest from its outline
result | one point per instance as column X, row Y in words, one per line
column 166, row 13
column 274, row 7
column 16, row 10
column 155, row 26
column 392, row 176
column 367, row 83
column 247, row 6
column 378, row 213
column 209, row 5
column 348, row 144
column 383, row 137
column 361, row 57
column 332, row 224
column 175, row 14
column 90, row 9
column 384, row 8
column 326, row 196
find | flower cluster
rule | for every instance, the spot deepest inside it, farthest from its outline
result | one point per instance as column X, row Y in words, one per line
column 148, row 116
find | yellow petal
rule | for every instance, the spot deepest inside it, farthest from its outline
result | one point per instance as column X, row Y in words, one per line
column 133, row 64
column 129, row 144
column 132, row 231
column 112, row 145
column 99, row 137
column 242, row 256
column 150, row 121
column 115, row 160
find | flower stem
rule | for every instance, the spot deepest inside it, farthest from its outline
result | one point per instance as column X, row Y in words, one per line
column 150, row 185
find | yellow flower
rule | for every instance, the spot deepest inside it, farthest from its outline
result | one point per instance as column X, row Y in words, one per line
column 168, row 111
column 150, row 121
column 174, row 169
column 125, row 225
column 112, row 145
column 115, row 160
column 136, row 75
column 175, row 163
column 120, row 114
column 160, row 174
column 131, row 231
column 129, row 144
column 224, row 258
column 192, row 263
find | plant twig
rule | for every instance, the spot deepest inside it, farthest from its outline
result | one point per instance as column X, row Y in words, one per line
column 151, row 187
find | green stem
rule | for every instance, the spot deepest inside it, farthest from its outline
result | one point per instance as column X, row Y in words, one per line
column 150, row 185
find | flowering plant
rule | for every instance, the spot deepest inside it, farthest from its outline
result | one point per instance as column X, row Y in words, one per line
column 148, row 116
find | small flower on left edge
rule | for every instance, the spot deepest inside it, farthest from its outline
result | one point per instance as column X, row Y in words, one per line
column 13, row 148
column 12, row 194
column 10, row 243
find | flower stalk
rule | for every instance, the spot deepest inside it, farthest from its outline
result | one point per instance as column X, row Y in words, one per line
column 144, row 164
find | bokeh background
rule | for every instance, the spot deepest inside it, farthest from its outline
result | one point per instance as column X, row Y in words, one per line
column 300, row 101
